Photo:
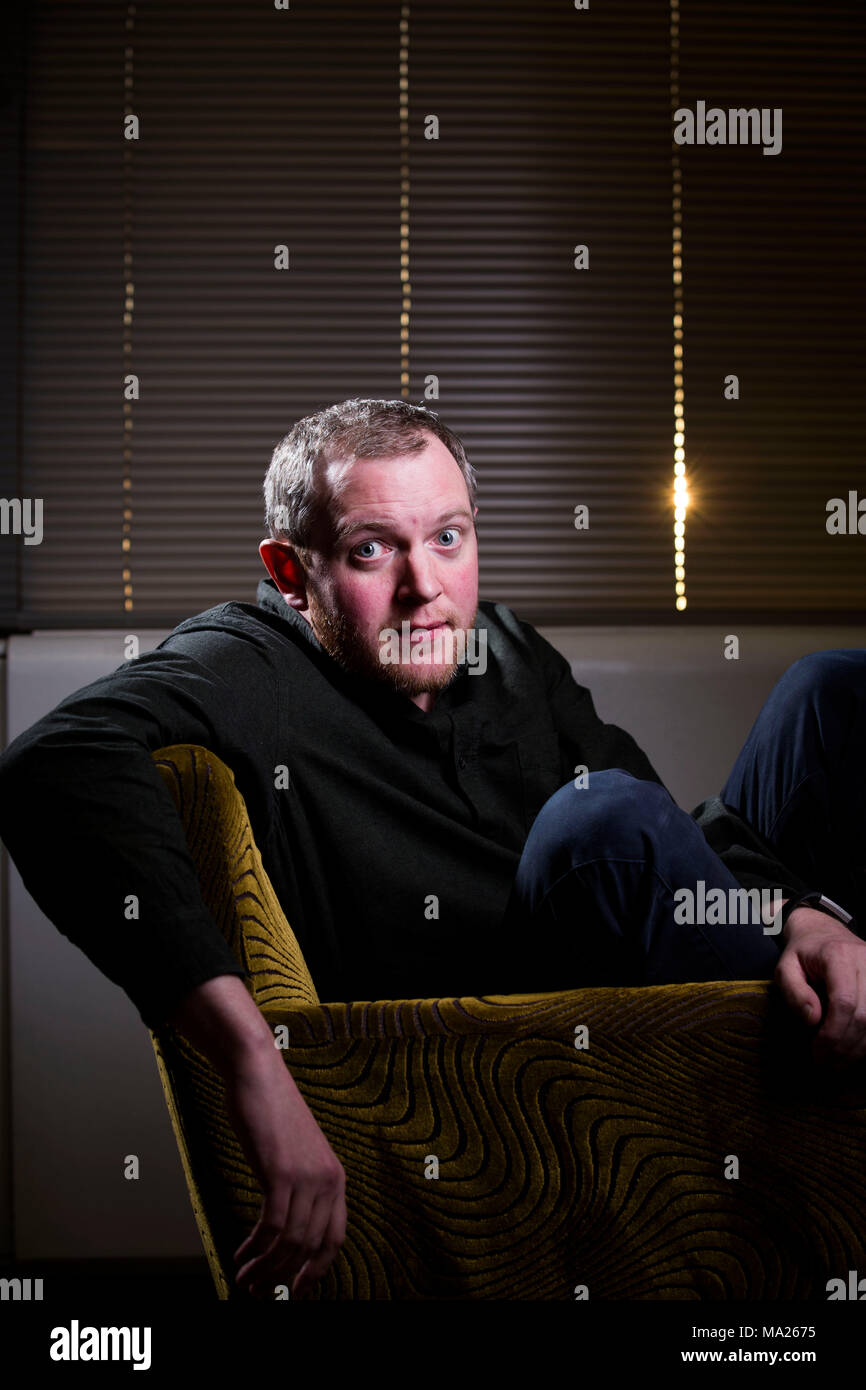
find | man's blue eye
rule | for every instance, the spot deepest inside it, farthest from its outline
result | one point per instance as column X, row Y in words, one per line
column 448, row 532
column 363, row 543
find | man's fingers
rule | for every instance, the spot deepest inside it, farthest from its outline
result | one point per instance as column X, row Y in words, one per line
column 843, row 1032
column 838, row 971
column 304, row 1245
column 320, row 1262
column 264, row 1235
column 320, row 1221
column 796, row 990
column 314, row 1243
column 285, row 1257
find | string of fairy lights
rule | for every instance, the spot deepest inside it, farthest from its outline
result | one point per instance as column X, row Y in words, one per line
column 681, row 496
column 128, row 308
column 404, row 201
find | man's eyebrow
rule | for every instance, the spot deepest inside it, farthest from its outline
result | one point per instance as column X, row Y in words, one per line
column 345, row 529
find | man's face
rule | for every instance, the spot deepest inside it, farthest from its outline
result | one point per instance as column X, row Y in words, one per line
column 397, row 544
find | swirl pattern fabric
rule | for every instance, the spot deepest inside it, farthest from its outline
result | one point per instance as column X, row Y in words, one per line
column 670, row 1142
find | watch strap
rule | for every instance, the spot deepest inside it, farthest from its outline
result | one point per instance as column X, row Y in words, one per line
column 815, row 898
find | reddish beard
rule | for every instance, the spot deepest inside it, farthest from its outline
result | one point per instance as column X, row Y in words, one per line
column 346, row 643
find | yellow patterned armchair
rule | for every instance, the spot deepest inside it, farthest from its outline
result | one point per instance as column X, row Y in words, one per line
column 670, row 1142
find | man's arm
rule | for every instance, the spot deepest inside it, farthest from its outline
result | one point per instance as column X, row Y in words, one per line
column 99, row 844
column 302, row 1223
column 95, row 833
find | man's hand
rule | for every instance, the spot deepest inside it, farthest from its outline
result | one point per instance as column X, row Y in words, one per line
column 302, row 1223
column 821, row 954
column 303, row 1218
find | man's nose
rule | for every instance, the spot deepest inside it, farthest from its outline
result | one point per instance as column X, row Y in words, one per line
column 419, row 581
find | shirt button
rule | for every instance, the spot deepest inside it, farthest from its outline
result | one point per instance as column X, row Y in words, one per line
column 461, row 762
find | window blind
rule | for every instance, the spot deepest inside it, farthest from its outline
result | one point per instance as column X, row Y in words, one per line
column 262, row 127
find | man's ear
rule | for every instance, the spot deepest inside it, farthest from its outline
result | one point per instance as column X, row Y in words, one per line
column 282, row 563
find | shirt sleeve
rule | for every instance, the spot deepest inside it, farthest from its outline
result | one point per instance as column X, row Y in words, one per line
column 95, row 833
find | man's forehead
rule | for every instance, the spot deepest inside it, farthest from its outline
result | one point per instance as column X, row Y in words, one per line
column 339, row 471
column 350, row 485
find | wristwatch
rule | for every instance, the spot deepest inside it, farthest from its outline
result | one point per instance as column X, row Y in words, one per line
column 816, row 899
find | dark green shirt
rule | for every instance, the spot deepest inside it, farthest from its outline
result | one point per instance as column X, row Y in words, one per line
column 392, row 849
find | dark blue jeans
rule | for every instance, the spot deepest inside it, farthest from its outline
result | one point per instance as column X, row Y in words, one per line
column 593, row 899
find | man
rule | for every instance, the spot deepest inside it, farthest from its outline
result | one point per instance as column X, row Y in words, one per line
column 489, row 787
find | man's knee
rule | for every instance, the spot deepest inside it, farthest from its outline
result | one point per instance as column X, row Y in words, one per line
column 827, row 673
column 609, row 812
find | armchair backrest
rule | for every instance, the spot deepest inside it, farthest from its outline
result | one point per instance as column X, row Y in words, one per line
column 235, row 886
